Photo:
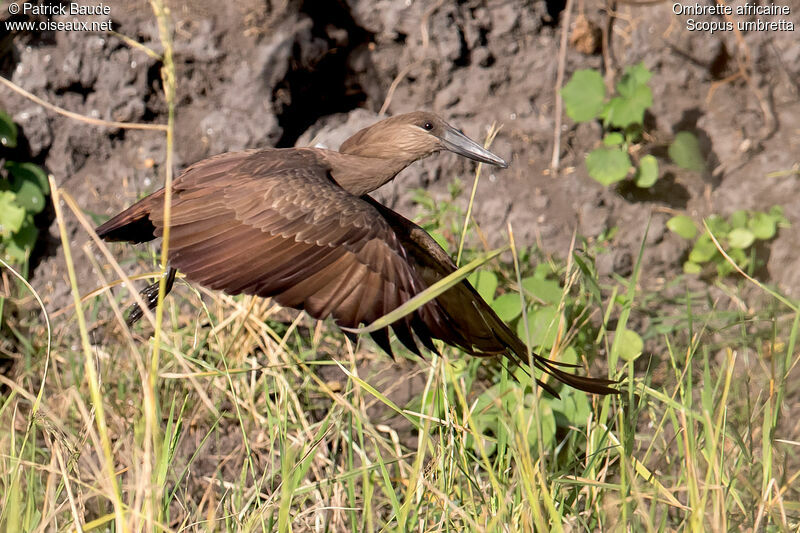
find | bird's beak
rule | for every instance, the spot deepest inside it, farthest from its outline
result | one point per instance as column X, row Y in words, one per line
column 458, row 143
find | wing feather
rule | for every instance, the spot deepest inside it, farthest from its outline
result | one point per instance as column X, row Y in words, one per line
column 280, row 227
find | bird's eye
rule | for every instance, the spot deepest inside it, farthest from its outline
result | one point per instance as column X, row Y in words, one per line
column 428, row 126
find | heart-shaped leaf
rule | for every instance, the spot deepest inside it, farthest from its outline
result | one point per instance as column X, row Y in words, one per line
column 763, row 226
column 647, row 173
column 630, row 344
column 29, row 195
column 485, row 282
column 545, row 290
column 685, row 152
column 682, row 226
column 508, row 306
column 30, row 172
column 741, row 238
column 11, row 215
column 584, row 95
column 608, row 165
column 543, row 327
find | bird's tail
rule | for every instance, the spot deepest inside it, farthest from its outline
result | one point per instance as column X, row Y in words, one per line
column 496, row 337
column 553, row 368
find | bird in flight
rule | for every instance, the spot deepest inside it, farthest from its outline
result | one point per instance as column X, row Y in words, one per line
column 297, row 225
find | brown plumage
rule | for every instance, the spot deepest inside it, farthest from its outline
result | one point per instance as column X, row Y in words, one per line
column 296, row 225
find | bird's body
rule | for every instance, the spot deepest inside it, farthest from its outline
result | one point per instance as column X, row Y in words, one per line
column 297, row 225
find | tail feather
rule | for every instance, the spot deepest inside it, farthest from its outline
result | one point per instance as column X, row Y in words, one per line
column 518, row 350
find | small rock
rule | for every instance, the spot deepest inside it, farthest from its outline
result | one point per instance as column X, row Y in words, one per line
column 504, row 18
column 482, row 57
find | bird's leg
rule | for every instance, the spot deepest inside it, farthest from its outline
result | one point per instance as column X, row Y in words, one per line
column 150, row 296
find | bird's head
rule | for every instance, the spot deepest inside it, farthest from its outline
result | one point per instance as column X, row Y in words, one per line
column 413, row 136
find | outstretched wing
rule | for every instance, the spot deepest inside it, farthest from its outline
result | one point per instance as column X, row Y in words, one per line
column 280, row 227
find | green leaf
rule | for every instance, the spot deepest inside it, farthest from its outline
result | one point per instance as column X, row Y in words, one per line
column 703, row 250
column 739, row 257
column 608, row 165
column 29, row 195
column 569, row 356
column 685, row 152
column 574, row 407
column 622, row 111
column 8, row 131
column 630, row 345
column 14, row 253
column 763, row 226
column 634, row 77
column 739, row 219
column 634, row 98
column 542, row 270
column 776, row 212
column 11, row 215
column 613, row 139
column 741, row 238
column 543, row 327
column 718, row 225
column 441, row 240
column 545, row 290
column 683, row 226
column 692, row 268
column 31, row 172
column 23, row 240
column 633, row 133
column 647, row 173
column 485, row 282
column 508, row 306
column 584, row 95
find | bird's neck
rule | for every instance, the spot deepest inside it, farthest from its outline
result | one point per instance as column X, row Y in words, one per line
column 360, row 175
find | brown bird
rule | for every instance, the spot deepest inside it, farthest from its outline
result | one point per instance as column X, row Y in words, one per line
column 296, row 225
